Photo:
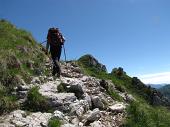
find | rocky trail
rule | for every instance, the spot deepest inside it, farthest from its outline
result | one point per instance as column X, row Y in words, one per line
column 78, row 101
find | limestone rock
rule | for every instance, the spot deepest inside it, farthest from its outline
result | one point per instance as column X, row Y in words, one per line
column 36, row 80
column 93, row 116
column 77, row 89
column 68, row 125
column 20, row 118
column 119, row 107
column 6, row 125
column 79, row 108
column 88, row 99
column 96, row 124
column 129, row 98
column 97, row 102
column 58, row 115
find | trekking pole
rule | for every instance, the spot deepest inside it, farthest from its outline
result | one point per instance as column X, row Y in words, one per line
column 65, row 58
column 64, row 53
column 43, row 42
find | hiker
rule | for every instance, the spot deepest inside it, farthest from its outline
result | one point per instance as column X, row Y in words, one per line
column 55, row 40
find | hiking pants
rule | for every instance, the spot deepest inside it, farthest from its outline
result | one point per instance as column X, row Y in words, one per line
column 55, row 55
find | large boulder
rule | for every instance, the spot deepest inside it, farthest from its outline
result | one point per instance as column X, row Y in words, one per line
column 20, row 118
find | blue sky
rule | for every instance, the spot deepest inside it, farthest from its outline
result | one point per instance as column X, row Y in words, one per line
column 133, row 34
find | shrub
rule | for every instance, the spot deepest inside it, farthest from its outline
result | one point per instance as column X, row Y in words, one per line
column 7, row 103
column 54, row 122
column 35, row 101
column 136, row 116
column 62, row 87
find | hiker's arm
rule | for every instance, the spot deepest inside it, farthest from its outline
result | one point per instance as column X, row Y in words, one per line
column 62, row 39
column 48, row 41
column 47, row 46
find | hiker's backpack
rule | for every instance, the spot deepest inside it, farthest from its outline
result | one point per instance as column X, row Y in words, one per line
column 55, row 37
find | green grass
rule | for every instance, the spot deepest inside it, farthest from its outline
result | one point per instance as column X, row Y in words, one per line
column 115, row 95
column 17, row 48
column 143, row 115
column 7, row 103
column 35, row 101
column 54, row 122
column 62, row 88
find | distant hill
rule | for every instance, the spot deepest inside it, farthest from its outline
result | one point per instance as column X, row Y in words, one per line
column 165, row 90
column 156, row 86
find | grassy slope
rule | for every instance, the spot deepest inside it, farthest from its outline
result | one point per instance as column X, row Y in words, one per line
column 140, row 112
column 20, row 58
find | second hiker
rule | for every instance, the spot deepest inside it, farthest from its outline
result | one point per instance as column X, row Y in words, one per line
column 55, row 40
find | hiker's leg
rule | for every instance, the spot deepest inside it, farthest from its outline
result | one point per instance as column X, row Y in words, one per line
column 53, row 56
column 56, row 53
column 54, row 71
column 58, row 69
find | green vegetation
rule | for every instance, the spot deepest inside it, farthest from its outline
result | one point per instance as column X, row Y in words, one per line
column 20, row 54
column 115, row 95
column 20, row 59
column 35, row 101
column 7, row 103
column 141, row 113
column 54, row 122
column 62, row 87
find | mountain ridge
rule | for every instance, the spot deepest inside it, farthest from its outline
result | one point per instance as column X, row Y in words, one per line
column 165, row 90
column 157, row 86
column 85, row 95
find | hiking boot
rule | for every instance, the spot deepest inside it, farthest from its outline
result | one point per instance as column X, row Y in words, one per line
column 58, row 75
column 53, row 73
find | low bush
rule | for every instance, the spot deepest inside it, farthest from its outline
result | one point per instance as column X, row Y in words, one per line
column 54, row 122
column 7, row 103
column 35, row 101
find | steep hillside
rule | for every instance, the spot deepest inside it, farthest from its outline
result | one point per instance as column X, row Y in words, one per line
column 165, row 90
column 147, row 110
column 20, row 59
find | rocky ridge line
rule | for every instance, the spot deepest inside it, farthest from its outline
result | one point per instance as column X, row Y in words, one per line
column 84, row 104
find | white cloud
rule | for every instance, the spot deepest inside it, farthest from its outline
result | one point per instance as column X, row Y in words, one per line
column 156, row 78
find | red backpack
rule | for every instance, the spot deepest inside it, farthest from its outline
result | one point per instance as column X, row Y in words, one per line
column 54, row 37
